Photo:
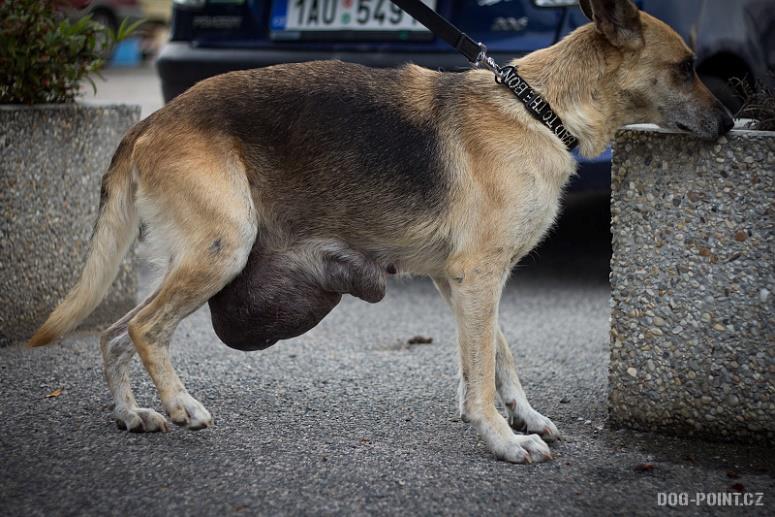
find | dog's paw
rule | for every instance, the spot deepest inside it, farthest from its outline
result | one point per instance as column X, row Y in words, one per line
column 188, row 412
column 140, row 420
column 525, row 449
column 528, row 420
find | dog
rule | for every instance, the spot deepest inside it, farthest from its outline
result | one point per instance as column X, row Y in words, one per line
column 403, row 170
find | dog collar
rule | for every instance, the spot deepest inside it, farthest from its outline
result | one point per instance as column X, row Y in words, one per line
column 536, row 105
column 476, row 53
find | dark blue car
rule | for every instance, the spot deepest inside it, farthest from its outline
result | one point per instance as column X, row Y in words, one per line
column 731, row 38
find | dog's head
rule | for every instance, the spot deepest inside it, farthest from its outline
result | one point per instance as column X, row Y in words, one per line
column 656, row 77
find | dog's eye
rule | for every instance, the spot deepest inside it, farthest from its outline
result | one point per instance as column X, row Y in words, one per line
column 686, row 68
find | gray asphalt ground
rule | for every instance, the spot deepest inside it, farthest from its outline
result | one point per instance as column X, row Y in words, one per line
column 350, row 419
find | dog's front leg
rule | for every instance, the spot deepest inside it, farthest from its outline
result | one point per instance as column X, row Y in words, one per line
column 522, row 416
column 474, row 293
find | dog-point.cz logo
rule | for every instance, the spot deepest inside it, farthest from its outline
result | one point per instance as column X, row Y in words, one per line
column 710, row 499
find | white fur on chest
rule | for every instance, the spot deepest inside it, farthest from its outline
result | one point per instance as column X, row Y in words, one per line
column 535, row 201
column 508, row 210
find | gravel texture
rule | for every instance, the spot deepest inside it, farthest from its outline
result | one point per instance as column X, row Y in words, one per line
column 53, row 159
column 692, row 336
column 351, row 419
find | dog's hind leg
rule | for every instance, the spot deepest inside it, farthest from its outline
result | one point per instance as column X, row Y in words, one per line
column 198, row 201
column 190, row 283
column 522, row 416
column 117, row 353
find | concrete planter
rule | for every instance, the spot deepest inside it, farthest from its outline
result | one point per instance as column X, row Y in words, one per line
column 52, row 161
column 692, row 336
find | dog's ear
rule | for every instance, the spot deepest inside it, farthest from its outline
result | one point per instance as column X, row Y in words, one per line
column 617, row 20
column 586, row 8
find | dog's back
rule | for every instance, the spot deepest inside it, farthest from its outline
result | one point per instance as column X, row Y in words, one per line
column 329, row 148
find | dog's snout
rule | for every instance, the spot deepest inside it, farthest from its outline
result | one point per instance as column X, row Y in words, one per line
column 726, row 122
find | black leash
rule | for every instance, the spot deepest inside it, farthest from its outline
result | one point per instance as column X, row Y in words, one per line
column 442, row 28
column 476, row 53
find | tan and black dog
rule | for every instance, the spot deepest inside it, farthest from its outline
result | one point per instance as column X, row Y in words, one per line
column 323, row 163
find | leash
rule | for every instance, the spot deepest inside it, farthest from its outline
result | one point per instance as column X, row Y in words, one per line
column 476, row 54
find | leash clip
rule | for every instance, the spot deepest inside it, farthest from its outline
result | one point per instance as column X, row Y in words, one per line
column 485, row 61
column 480, row 56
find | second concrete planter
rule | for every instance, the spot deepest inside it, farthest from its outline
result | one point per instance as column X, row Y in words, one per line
column 692, row 277
column 53, row 159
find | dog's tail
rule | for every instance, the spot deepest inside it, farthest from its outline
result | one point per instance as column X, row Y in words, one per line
column 114, row 232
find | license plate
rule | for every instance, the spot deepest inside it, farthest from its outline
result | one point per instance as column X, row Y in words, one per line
column 331, row 16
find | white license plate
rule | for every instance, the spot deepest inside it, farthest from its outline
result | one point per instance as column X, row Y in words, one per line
column 343, row 15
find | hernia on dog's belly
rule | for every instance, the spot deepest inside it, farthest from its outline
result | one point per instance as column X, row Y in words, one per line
column 282, row 294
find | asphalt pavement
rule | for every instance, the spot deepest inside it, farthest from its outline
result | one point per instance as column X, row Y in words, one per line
column 351, row 419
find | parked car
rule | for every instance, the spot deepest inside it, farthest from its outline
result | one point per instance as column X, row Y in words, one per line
column 208, row 37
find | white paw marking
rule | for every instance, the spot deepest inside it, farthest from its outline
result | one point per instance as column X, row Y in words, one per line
column 140, row 420
column 514, row 448
column 524, row 449
column 188, row 412
column 528, row 420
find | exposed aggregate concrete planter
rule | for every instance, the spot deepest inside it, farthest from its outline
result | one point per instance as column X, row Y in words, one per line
column 52, row 158
column 692, row 338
